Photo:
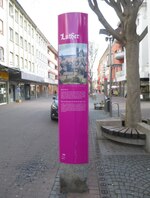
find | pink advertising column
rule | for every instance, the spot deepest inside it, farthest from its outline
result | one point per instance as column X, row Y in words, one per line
column 73, row 88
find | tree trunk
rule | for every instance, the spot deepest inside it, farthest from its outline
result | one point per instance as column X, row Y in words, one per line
column 133, row 109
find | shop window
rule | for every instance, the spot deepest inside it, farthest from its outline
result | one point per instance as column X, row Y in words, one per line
column 1, row 27
column 1, row 54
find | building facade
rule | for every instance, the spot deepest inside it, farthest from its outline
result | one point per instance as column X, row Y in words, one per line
column 118, row 56
column 148, row 19
column 24, row 56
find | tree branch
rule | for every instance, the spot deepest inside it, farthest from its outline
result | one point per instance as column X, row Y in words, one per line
column 116, row 6
column 95, row 8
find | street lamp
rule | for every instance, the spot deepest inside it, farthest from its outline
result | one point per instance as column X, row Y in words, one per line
column 109, row 38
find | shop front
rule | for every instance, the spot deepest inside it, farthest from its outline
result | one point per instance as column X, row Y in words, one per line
column 16, row 85
column 3, row 87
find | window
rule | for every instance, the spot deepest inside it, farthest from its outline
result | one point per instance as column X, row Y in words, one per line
column 11, row 34
column 21, row 20
column 21, row 62
column 30, row 66
column 25, row 25
column 21, row 41
column 11, row 58
column 17, row 38
column 32, row 33
column 52, row 65
column 16, row 16
column 1, row 54
column 37, row 37
column 37, row 53
column 11, row 11
column 17, row 61
column 26, row 64
column 32, row 49
column 1, row 27
column 29, row 47
column 26, row 45
column 55, row 57
column 1, row 3
column 29, row 29
column 51, row 76
column 33, row 68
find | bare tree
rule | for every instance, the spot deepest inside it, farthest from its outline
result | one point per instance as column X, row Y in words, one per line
column 92, row 54
column 126, row 34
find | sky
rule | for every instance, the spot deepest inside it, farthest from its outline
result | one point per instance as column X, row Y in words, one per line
column 45, row 13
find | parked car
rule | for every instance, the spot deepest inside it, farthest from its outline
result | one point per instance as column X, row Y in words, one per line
column 54, row 108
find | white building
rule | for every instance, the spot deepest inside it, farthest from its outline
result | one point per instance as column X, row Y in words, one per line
column 24, row 55
column 142, row 22
column 148, row 19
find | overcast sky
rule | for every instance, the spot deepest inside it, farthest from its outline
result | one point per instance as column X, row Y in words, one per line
column 45, row 13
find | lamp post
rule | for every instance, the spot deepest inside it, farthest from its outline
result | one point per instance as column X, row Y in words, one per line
column 109, row 38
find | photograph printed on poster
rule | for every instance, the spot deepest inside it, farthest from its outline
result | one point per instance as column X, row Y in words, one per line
column 73, row 63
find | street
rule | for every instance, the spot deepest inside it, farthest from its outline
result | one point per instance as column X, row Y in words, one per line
column 29, row 166
column 28, row 149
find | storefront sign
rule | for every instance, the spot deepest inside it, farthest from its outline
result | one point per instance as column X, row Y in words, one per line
column 73, row 88
column 4, row 75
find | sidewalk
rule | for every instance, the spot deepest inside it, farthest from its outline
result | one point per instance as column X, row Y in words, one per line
column 114, row 170
column 123, row 170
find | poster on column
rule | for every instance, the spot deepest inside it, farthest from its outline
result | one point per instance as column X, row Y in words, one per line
column 73, row 87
